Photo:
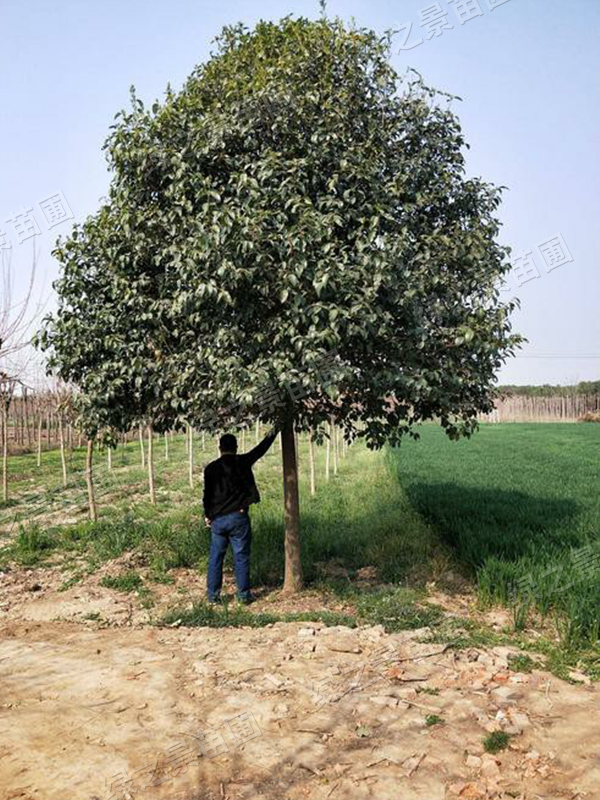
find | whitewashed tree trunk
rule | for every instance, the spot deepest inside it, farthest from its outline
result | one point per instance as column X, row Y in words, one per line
column 63, row 455
column 190, row 437
column 5, row 455
column 311, row 456
column 39, row 442
column 166, row 446
column 335, row 448
column 142, row 452
column 92, row 511
column 151, row 465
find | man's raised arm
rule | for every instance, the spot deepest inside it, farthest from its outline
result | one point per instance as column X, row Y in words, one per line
column 261, row 448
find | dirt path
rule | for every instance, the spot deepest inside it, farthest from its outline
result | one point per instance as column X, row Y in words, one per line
column 287, row 711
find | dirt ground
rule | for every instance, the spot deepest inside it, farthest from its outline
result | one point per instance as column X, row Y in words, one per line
column 111, row 708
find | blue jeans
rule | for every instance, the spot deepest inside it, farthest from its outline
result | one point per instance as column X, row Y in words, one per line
column 231, row 529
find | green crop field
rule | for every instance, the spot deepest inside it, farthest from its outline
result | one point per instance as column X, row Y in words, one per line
column 519, row 504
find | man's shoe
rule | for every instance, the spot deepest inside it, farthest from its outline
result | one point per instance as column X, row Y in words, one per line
column 245, row 599
column 215, row 601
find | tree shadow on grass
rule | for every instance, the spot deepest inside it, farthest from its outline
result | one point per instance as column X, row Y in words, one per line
column 383, row 539
column 479, row 523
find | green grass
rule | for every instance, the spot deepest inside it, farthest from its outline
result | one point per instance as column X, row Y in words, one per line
column 516, row 501
column 129, row 581
column 461, row 633
column 433, row 719
column 395, row 610
column 359, row 518
column 428, row 690
column 521, row 663
column 201, row 614
column 496, row 741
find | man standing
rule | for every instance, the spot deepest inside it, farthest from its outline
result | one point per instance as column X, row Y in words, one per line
column 229, row 489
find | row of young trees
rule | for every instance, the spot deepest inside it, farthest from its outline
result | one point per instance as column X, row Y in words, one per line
column 589, row 388
column 58, row 407
column 19, row 313
column 334, row 444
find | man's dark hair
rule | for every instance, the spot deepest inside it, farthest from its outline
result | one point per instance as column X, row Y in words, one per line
column 228, row 443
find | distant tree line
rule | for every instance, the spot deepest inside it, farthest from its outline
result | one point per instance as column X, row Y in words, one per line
column 547, row 390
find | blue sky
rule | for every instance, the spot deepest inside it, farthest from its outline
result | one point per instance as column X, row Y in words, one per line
column 526, row 70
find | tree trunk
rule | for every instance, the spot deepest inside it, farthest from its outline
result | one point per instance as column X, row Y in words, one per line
column 257, row 431
column 39, row 441
column 142, row 453
column 151, row 466
column 190, row 438
column 27, row 427
column 291, row 511
column 109, row 458
column 334, row 445
column 63, row 455
column 311, row 456
column 5, row 454
column 90, row 482
column 166, row 446
column 328, row 455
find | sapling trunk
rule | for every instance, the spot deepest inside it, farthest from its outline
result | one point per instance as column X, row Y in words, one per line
column 63, row 455
column 39, row 442
column 4, row 454
column 190, row 437
column 89, row 478
column 334, row 446
column 142, row 453
column 311, row 456
column 151, row 466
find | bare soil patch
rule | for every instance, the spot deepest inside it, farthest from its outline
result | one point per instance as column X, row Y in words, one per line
column 110, row 707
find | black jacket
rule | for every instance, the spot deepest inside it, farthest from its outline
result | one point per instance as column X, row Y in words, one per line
column 229, row 484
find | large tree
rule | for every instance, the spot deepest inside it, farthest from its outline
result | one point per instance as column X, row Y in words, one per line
column 296, row 202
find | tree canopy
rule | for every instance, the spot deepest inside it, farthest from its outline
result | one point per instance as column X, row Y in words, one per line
column 291, row 236
column 296, row 199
